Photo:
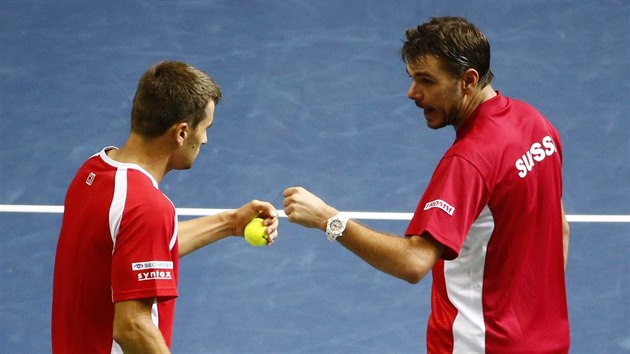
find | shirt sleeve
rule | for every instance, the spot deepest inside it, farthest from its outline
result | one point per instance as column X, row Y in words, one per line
column 452, row 201
column 143, row 263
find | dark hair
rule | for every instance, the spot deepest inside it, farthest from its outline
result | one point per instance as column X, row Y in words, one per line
column 458, row 44
column 170, row 92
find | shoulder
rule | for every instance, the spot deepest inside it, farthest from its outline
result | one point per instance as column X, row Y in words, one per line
column 143, row 190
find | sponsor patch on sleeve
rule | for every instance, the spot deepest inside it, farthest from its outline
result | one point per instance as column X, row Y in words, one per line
column 152, row 265
column 153, row 270
column 439, row 203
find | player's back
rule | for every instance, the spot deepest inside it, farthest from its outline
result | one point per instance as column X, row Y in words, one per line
column 83, row 311
column 519, row 155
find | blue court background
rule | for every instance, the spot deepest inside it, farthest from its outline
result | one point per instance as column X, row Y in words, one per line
column 314, row 95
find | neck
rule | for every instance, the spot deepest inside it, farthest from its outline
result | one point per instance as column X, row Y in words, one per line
column 472, row 101
column 147, row 153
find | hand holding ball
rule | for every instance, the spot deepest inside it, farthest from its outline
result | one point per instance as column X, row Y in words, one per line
column 256, row 233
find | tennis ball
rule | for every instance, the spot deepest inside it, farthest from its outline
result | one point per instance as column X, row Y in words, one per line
column 256, row 233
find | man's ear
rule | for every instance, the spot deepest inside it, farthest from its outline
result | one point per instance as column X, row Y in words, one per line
column 180, row 131
column 470, row 79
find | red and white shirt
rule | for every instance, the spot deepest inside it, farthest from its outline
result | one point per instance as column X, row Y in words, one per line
column 118, row 242
column 493, row 202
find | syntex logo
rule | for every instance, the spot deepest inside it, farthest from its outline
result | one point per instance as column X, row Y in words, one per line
column 153, row 270
column 155, row 275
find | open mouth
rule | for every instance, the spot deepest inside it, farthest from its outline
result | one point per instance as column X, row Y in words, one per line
column 425, row 109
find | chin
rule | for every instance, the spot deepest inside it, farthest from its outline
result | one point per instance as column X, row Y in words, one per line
column 436, row 125
column 183, row 166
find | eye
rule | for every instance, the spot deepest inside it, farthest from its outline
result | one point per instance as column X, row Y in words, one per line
column 424, row 80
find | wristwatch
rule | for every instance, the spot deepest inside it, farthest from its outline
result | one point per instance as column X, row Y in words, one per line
column 335, row 226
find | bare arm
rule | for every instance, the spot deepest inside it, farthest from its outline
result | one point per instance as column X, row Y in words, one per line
column 409, row 259
column 134, row 330
column 565, row 236
column 199, row 232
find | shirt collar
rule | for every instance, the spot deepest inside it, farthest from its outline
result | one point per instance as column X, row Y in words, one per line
column 484, row 109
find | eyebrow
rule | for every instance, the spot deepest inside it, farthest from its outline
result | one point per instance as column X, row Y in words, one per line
column 420, row 74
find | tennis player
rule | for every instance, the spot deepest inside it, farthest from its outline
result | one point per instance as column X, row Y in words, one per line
column 490, row 225
column 117, row 262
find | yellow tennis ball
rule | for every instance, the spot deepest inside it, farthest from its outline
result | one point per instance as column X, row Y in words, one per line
column 256, row 233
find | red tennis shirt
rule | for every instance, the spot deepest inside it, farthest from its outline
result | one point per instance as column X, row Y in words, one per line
column 118, row 242
column 494, row 203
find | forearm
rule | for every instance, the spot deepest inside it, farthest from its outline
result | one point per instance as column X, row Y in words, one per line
column 407, row 258
column 565, row 237
column 565, row 244
column 199, row 232
column 143, row 340
column 134, row 330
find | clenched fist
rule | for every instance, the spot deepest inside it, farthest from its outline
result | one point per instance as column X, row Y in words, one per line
column 305, row 208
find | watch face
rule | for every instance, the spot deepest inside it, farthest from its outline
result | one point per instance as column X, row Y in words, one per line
column 336, row 225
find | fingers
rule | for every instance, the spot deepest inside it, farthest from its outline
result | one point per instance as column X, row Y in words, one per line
column 292, row 190
column 291, row 196
column 304, row 208
column 264, row 210
column 272, row 227
column 291, row 201
column 272, row 234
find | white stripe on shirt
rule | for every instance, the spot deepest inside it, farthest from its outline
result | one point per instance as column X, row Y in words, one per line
column 464, row 284
column 118, row 203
